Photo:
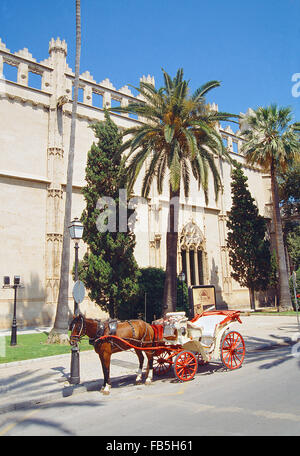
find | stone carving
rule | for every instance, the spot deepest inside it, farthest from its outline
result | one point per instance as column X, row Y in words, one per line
column 191, row 235
column 63, row 99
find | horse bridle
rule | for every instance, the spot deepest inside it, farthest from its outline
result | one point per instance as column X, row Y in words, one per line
column 77, row 337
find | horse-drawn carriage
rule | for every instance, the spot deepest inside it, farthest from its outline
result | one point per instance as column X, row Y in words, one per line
column 172, row 341
column 205, row 337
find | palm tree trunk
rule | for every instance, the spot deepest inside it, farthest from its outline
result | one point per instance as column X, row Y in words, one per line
column 170, row 287
column 284, row 291
column 252, row 298
column 59, row 332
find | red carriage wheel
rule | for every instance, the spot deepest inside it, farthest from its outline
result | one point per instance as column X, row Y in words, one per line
column 232, row 350
column 162, row 362
column 185, row 366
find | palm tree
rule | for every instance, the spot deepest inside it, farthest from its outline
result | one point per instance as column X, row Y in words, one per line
column 179, row 136
column 273, row 143
column 59, row 331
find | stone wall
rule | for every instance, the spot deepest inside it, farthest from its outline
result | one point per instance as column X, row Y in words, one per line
column 34, row 143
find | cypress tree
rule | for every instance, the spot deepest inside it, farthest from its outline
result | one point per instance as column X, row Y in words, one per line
column 249, row 251
column 108, row 269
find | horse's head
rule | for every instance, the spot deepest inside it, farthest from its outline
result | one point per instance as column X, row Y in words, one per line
column 77, row 328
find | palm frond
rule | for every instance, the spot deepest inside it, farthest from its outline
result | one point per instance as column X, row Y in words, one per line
column 270, row 138
column 178, row 134
column 191, row 142
column 150, row 174
column 161, row 172
column 169, row 133
column 185, row 171
column 168, row 82
column 178, row 77
column 175, row 170
column 204, row 89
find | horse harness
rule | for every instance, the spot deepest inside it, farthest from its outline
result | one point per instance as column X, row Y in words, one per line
column 112, row 325
column 101, row 326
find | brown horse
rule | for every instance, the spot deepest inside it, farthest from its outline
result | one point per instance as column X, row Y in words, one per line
column 136, row 332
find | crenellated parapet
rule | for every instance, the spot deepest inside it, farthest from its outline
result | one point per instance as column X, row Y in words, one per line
column 25, row 64
column 56, row 86
column 58, row 45
column 57, row 80
column 148, row 79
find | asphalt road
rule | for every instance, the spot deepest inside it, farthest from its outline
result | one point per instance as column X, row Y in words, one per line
column 260, row 399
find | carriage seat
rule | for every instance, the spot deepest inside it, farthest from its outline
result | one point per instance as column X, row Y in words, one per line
column 208, row 321
column 205, row 326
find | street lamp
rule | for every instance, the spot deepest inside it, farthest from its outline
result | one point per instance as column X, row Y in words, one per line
column 15, row 286
column 181, row 277
column 76, row 231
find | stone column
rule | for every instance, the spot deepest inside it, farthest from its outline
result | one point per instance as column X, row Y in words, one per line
column 188, row 267
column 23, row 74
column 55, row 169
column 227, row 282
column 88, row 95
column 1, row 66
column 106, row 100
column 196, row 265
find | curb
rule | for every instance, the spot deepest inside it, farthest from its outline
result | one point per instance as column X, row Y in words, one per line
column 34, row 360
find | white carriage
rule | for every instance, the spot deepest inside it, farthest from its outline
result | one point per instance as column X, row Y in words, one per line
column 184, row 344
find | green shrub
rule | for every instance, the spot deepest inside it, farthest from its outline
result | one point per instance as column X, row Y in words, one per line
column 297, row 289
column 150, row 296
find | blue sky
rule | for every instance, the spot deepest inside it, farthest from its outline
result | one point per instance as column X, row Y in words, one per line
column 251, row 47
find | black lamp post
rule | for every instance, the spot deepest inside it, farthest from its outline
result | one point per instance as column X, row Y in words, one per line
column 181, row 277
column 15, row 286
column 75, row 230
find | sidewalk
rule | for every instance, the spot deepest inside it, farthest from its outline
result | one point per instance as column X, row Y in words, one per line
column 24, row 384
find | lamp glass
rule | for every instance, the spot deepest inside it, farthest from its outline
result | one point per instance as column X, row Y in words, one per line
column 182, row 276
column 76, row 229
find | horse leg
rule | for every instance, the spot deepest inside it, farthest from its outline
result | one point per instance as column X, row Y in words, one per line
column 149, row 371
column 105, row 355
column 139, row 373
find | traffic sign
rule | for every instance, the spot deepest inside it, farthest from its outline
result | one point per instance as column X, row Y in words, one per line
column 78, row 292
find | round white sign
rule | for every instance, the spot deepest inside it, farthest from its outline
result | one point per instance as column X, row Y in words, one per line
column 78, row 291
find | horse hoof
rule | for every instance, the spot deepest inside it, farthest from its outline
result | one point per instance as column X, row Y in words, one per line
column 105, row 389
column 148, row 382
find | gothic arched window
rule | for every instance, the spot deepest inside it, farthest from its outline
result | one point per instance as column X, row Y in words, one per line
column 191, row 249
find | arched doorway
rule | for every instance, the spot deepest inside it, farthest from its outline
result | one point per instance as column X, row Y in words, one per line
column 191, row 254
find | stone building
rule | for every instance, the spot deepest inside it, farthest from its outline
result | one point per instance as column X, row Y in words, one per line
column 35, row 118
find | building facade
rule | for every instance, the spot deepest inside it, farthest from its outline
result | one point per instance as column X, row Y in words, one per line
column 35, row 120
